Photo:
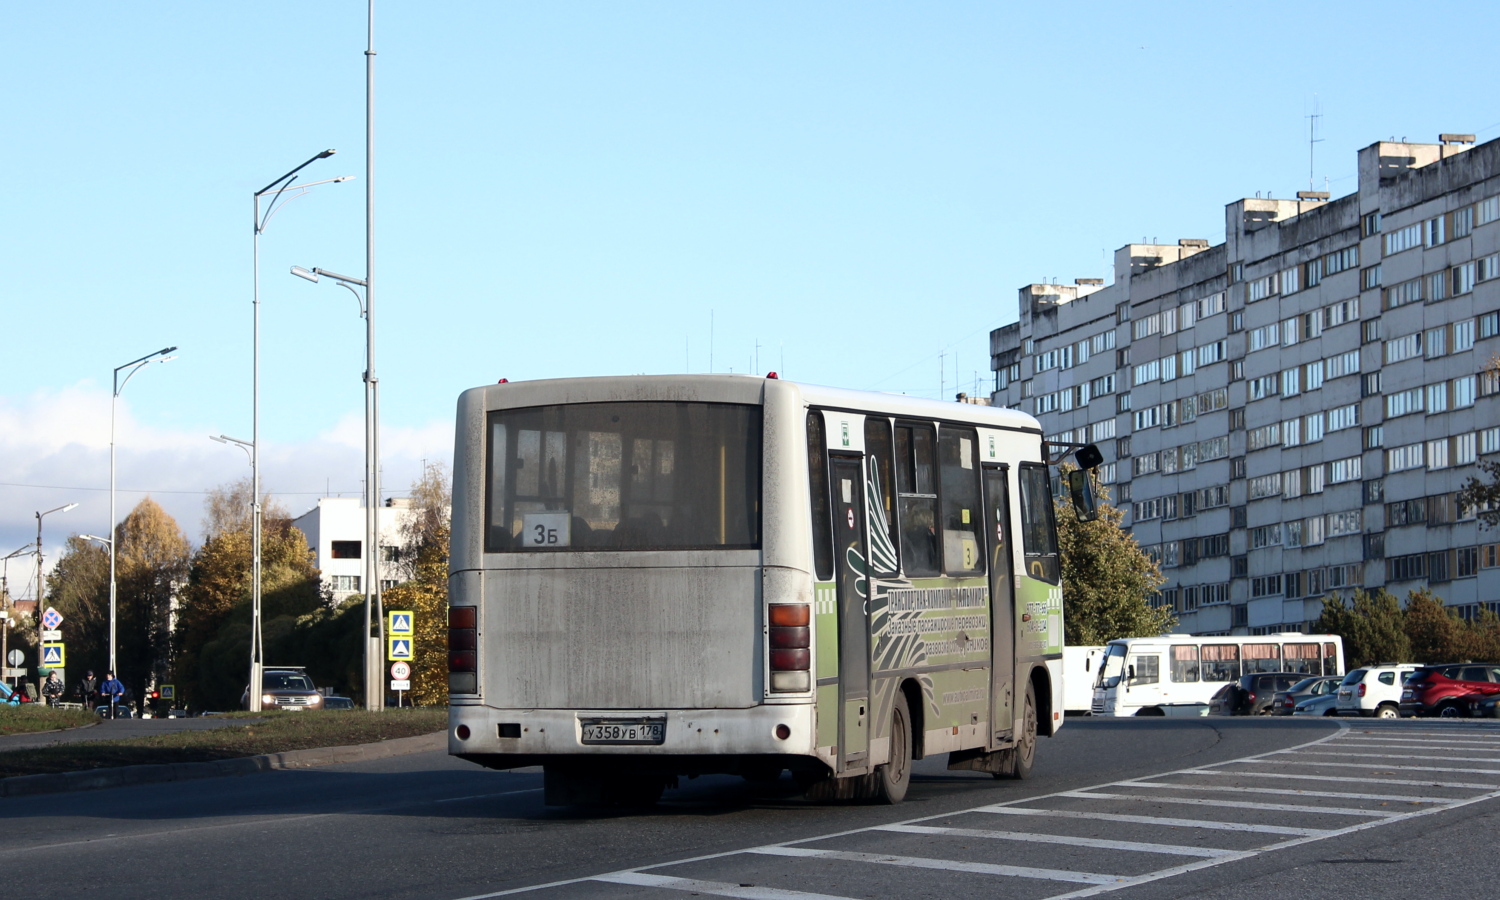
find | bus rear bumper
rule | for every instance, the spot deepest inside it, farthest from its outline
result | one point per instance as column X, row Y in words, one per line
column 511, row 738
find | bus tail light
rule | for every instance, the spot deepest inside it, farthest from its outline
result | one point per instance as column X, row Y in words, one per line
column 791, row 642
column 463, row 647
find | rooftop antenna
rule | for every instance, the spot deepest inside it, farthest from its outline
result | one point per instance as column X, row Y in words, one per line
column 1312, row 139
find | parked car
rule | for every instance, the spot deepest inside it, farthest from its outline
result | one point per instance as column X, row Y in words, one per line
column 1485, row 706
column 1285, row 702
column 1251, row 695
column 1374, row 690
column 1445, row 691
column 1324, row 705
column 336, row 702
column 285, row 687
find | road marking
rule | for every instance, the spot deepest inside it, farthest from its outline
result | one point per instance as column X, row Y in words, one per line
column 1296, row 762
column 1097, row 843
column 1433, row 748
column 716, row 888
column 1426, row 743
column 1234, row 804
column 1282, row 792
column 1347, row 753
column 1344, row 779
column 1149, row 820
column 946, row 865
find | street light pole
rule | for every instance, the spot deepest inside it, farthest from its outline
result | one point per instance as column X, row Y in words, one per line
column 276, row 189
column 374, row 674
column 134, row 366
column 373, row 658
column 5, row 625
column 39, row 582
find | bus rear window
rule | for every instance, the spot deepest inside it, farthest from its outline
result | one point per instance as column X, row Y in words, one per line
column 624, row 476
column 1038, row 532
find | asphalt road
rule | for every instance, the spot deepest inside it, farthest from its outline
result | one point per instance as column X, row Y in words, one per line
column 427, row 826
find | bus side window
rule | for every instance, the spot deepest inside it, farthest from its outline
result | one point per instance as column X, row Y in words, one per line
column 1185, row 663
column 1331, row 659
column 1221, row 662
column 817, row 484
column 1038, row 528
column 882, row 496
column 963, row 544
column 916, row 500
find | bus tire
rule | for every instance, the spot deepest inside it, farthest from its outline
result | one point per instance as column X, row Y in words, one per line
column 892, row 779
column 1023, row 756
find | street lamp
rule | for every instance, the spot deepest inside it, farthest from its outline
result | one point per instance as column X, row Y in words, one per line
column 5, row 625
column 134, row 366
column 374, row 611
column 39, row 592
column 276, row 189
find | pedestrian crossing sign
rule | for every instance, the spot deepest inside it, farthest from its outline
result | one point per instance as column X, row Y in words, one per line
column 54, row 656
column 400, row 648
column 400, row 623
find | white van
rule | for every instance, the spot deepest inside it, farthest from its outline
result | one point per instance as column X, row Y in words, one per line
column 1079, row 667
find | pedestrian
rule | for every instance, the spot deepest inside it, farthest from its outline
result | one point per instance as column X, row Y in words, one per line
column 112, row 691
column 87, row 688
column 52, row 688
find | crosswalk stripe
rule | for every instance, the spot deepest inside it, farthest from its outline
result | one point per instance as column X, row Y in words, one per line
column 1150, row 820
column 1097, row 843
column 715, row 888
column 946, row 865
column 1298, row 762
column 1283, row 792
column 1483, row 759
column 1414, row 748
column 1236, row 804
column 1425, row 742
column 1343, row 779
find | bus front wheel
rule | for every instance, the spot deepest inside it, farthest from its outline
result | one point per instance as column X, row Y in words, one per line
column 1024, row 754
column 892, row 779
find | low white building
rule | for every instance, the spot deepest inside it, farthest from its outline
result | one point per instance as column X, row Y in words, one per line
column 335, row 530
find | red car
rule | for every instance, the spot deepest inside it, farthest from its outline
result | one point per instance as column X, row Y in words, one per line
column 1447, row 689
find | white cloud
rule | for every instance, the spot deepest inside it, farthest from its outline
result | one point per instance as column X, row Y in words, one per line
column 54, row 450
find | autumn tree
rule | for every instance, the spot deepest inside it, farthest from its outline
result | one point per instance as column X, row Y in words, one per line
column 1434, row 633
column 1371, row 624
column 1107, row 578
column 424, row 562
column 78, row 587
column 151, row 564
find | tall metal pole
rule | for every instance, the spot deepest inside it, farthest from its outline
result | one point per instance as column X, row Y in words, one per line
column 374, row 657
column 40, row 593
column 256, row 687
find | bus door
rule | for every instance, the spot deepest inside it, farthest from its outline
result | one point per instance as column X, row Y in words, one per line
column 851, row 564
column 1002, row 605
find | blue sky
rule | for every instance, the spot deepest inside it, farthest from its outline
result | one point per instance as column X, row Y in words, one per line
column 578, row 189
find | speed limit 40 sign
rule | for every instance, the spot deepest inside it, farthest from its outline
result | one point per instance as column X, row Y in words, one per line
column 400, row 671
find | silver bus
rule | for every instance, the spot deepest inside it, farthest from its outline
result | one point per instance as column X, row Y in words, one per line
column 660, row 576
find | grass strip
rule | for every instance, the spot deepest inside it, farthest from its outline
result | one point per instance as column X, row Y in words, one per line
column 273, row 732
column 34, row 717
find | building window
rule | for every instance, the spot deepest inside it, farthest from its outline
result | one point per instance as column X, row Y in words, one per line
column 1468, row 562
column 1370, row 278
column 1371, row 331
column 1369, row 224
column 346, row 550
column 1237, row 419
column 1237, row 468
column 344, row 583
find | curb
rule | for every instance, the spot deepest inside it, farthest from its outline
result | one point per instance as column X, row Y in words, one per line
column 19, row 734
column 124, row 776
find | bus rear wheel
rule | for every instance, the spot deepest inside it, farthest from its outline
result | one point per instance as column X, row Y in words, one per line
column 892, row 779
column 1024, row 754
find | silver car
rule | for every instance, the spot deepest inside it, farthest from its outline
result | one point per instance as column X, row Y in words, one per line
column 1325, row 705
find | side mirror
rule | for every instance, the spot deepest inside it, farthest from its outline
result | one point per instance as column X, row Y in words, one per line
column 1132, row 673
column 1088, row 663
column 1081, row 489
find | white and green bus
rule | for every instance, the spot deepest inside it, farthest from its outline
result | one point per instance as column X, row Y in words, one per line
column 679, row 575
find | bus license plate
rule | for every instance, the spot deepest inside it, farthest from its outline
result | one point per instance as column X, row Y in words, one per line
column 624, row 731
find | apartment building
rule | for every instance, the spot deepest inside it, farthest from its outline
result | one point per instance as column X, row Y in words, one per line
column 1291, row 412
column 335, row 530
